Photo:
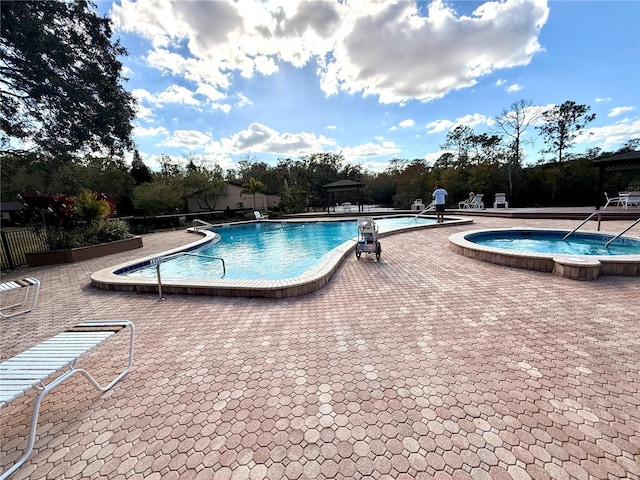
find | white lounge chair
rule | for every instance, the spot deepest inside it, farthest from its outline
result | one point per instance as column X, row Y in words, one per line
column 611, row 200
column 36, row 368
column 475, row 203
column 260, row 216
column 28, row 288
column 500, row 199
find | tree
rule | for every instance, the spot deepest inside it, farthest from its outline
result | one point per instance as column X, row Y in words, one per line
column 561, row 126
column 252, row 186
column 139, row 171
column 204, row 185
column 459, row 139
column 60, row 81
column 513, row 122
column 158, row 198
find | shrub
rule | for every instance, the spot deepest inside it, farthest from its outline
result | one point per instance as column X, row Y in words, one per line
column 88, row 235
column 92, row 206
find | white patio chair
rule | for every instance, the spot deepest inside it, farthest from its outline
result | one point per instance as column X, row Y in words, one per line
column 260, row 216
column 417, row 205
column 611, row 200
column 500, row 199
column 632, row 199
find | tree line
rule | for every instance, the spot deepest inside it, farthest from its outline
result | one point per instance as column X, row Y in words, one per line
column 136, row 189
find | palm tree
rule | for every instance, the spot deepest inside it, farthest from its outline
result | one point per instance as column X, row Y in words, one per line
column 252, row 186
column 290, row 197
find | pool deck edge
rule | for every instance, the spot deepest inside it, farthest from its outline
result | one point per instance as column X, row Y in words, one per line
column 311, row 280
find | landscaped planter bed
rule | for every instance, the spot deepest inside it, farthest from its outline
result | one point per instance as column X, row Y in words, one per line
column 72, row 255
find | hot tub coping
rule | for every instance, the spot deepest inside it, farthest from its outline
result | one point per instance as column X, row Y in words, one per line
column 576, row 267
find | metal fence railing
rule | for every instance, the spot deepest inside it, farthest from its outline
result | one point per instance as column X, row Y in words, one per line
column 16, row 243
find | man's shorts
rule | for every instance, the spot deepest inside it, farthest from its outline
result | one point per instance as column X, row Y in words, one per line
column 439, row 208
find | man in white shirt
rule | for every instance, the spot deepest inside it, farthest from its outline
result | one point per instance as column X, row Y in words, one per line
column 440, row 198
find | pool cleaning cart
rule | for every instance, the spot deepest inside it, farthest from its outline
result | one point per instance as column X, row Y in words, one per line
column 368, row 238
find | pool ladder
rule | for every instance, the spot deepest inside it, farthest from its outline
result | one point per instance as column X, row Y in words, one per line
column 606, row 245
column 160, row 260
column 594, row 214
column 197, row 222
column 622, row 232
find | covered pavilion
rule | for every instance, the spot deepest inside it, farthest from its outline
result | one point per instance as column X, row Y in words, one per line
column 622, row 162
column 340, row 186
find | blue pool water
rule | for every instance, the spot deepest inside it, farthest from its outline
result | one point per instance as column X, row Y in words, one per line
column 268, row 250
column 551, row 242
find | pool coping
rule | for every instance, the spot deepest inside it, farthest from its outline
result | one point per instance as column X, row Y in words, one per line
column 575, row 267
column 314, row 278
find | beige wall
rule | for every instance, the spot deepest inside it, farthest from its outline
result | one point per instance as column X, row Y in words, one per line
column 233, row 198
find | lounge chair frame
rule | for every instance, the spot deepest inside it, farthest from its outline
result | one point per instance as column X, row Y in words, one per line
column 31, row 368
column 473, row 204
column 612, row 200
column 31, row 288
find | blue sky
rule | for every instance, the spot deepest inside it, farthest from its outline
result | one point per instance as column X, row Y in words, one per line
column 222, row 81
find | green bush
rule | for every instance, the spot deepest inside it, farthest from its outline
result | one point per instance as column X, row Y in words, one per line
column 87, row 235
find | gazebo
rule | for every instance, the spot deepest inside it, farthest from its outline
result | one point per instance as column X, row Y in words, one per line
column 343, row 186
column 622, row 162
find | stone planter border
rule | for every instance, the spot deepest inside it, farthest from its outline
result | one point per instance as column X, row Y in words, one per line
column 72, row 255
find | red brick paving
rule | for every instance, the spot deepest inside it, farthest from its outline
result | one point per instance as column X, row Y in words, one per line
column 425, row 365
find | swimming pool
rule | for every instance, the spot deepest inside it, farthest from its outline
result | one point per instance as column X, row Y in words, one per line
column 269, row 259
column 582, row 256
column 266, row 250
column 551, row 241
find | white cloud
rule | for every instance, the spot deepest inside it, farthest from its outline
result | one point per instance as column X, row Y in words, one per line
column 389, row 51
column 190, row 139
column 439, row 126
column 514, row 88
column 472, row 120
column 611, row 136
column 369, row 150
column 143, row 112
column 380, row 48
column 259, row 138
column 500, row 82
column 617, row 111
column 406, row 123
column 150, row 131
column 431, row 158
column 599, row 99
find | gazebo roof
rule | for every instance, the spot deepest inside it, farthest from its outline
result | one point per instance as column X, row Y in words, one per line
column 622, row 161
column 342, row 185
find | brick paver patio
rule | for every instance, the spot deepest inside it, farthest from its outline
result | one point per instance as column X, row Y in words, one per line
column 425, row 365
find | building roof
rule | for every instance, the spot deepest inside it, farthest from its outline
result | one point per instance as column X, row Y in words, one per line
column 622, row 161
column 343, row 185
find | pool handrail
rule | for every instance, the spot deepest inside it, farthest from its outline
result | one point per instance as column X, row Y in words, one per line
column 160, row 260
column 197, row 221
column 606, row 245
column 585, row 221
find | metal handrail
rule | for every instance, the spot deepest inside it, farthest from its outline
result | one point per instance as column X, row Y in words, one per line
column 197, row 221
column 585, row 221
column 160, row 260
column 606, row 245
